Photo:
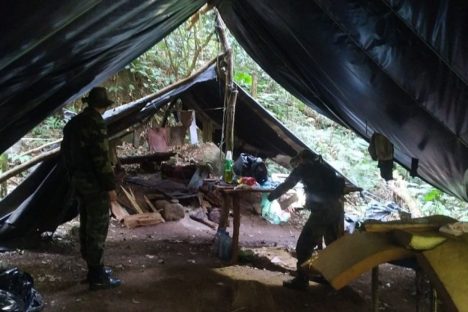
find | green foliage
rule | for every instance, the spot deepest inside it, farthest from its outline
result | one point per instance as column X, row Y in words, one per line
column 3, row 162
column 19, row 158
column 49, row 127
column 433, row 195
column 243, row 79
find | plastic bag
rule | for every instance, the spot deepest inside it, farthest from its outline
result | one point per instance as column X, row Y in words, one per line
column 17, row 292
column 272, row 211
column 222, row 245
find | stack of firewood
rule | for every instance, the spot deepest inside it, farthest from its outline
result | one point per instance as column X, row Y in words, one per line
column 144, row 212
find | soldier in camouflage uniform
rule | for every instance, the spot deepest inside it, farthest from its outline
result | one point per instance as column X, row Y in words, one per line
column 324, row 190
column 85, row 151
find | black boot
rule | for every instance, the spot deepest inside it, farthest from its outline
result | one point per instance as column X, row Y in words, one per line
column 99, row 279
column 319, row 279
column 297, row 283
column 108, row 271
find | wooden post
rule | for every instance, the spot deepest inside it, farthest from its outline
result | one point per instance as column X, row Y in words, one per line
column 253, row 88
column 375, row 289
column 3, row 168
column 230, row 117
column 235, row 228
column 230, row 92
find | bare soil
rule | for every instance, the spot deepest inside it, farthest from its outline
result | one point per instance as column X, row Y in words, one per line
column 169, row 267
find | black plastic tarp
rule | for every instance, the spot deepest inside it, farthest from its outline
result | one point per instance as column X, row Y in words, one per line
column 39, row 204
column 393, row 67
column 53, row 51
column 398, row 68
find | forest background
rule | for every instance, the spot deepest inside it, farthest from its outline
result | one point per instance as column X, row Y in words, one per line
column 195, row 43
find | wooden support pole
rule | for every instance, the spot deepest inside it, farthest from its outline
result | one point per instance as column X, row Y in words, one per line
column 375, row 289
column 230, row 92
column 3, row 168
column 235, row 228
column 38, row 149
column 230, row 118
column 24, row 166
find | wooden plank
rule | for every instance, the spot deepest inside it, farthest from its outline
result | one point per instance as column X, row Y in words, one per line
column 446, row 266
column 150, row 204
column 419, row 224
column 363, row 252
column 118, row 211
column 418, row 240
column 143, row 219
column 132, row 199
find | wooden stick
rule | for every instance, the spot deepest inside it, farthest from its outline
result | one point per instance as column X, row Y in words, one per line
column 150, row 204
column 38, row 149
column 131, row 198
column 26, row 165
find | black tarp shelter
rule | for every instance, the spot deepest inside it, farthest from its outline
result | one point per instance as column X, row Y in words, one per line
column 39, row 203
column 393, row 67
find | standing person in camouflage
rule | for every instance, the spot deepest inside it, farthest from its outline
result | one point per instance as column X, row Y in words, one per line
column 85, row 151
column 324, row 191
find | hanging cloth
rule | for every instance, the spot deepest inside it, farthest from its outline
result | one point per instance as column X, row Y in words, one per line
column 381, row 150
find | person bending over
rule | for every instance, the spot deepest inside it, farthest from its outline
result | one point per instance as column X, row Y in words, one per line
column 324, row 198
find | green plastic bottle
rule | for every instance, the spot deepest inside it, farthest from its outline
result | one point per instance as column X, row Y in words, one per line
column 227, row 176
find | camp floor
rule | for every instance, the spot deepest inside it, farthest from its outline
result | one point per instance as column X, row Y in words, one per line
column 169, row 267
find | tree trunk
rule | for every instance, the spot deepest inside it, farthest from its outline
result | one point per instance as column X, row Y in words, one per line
column 253, row 89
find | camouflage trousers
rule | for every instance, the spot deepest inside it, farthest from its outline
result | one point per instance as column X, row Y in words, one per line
column 94, row 224
column 324, row 223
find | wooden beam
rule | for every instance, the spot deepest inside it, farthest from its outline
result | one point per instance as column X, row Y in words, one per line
column 38, row 149
column 26, row 165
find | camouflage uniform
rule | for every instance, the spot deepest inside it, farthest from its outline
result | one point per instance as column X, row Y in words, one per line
column 323, row 199
column 85, row 150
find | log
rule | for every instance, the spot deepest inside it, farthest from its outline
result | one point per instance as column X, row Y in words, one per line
column 118, row 211
column 26, row 165
column 200, row 216
column 402, row 193
column 143, row 219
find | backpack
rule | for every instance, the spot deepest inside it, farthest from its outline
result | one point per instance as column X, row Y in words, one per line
column 251, row 166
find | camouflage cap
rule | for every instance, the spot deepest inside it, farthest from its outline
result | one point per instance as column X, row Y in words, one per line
column 97, row 97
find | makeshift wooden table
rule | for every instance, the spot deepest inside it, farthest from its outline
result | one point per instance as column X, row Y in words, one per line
column 231, row 196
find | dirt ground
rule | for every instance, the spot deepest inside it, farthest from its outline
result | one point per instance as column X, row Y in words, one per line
column 169, row 267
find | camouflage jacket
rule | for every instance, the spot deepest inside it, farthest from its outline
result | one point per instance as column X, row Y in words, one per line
column 321, row 184
column 85, row 151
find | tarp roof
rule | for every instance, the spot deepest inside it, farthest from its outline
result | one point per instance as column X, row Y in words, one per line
column 38, row 204
column 395, row 67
